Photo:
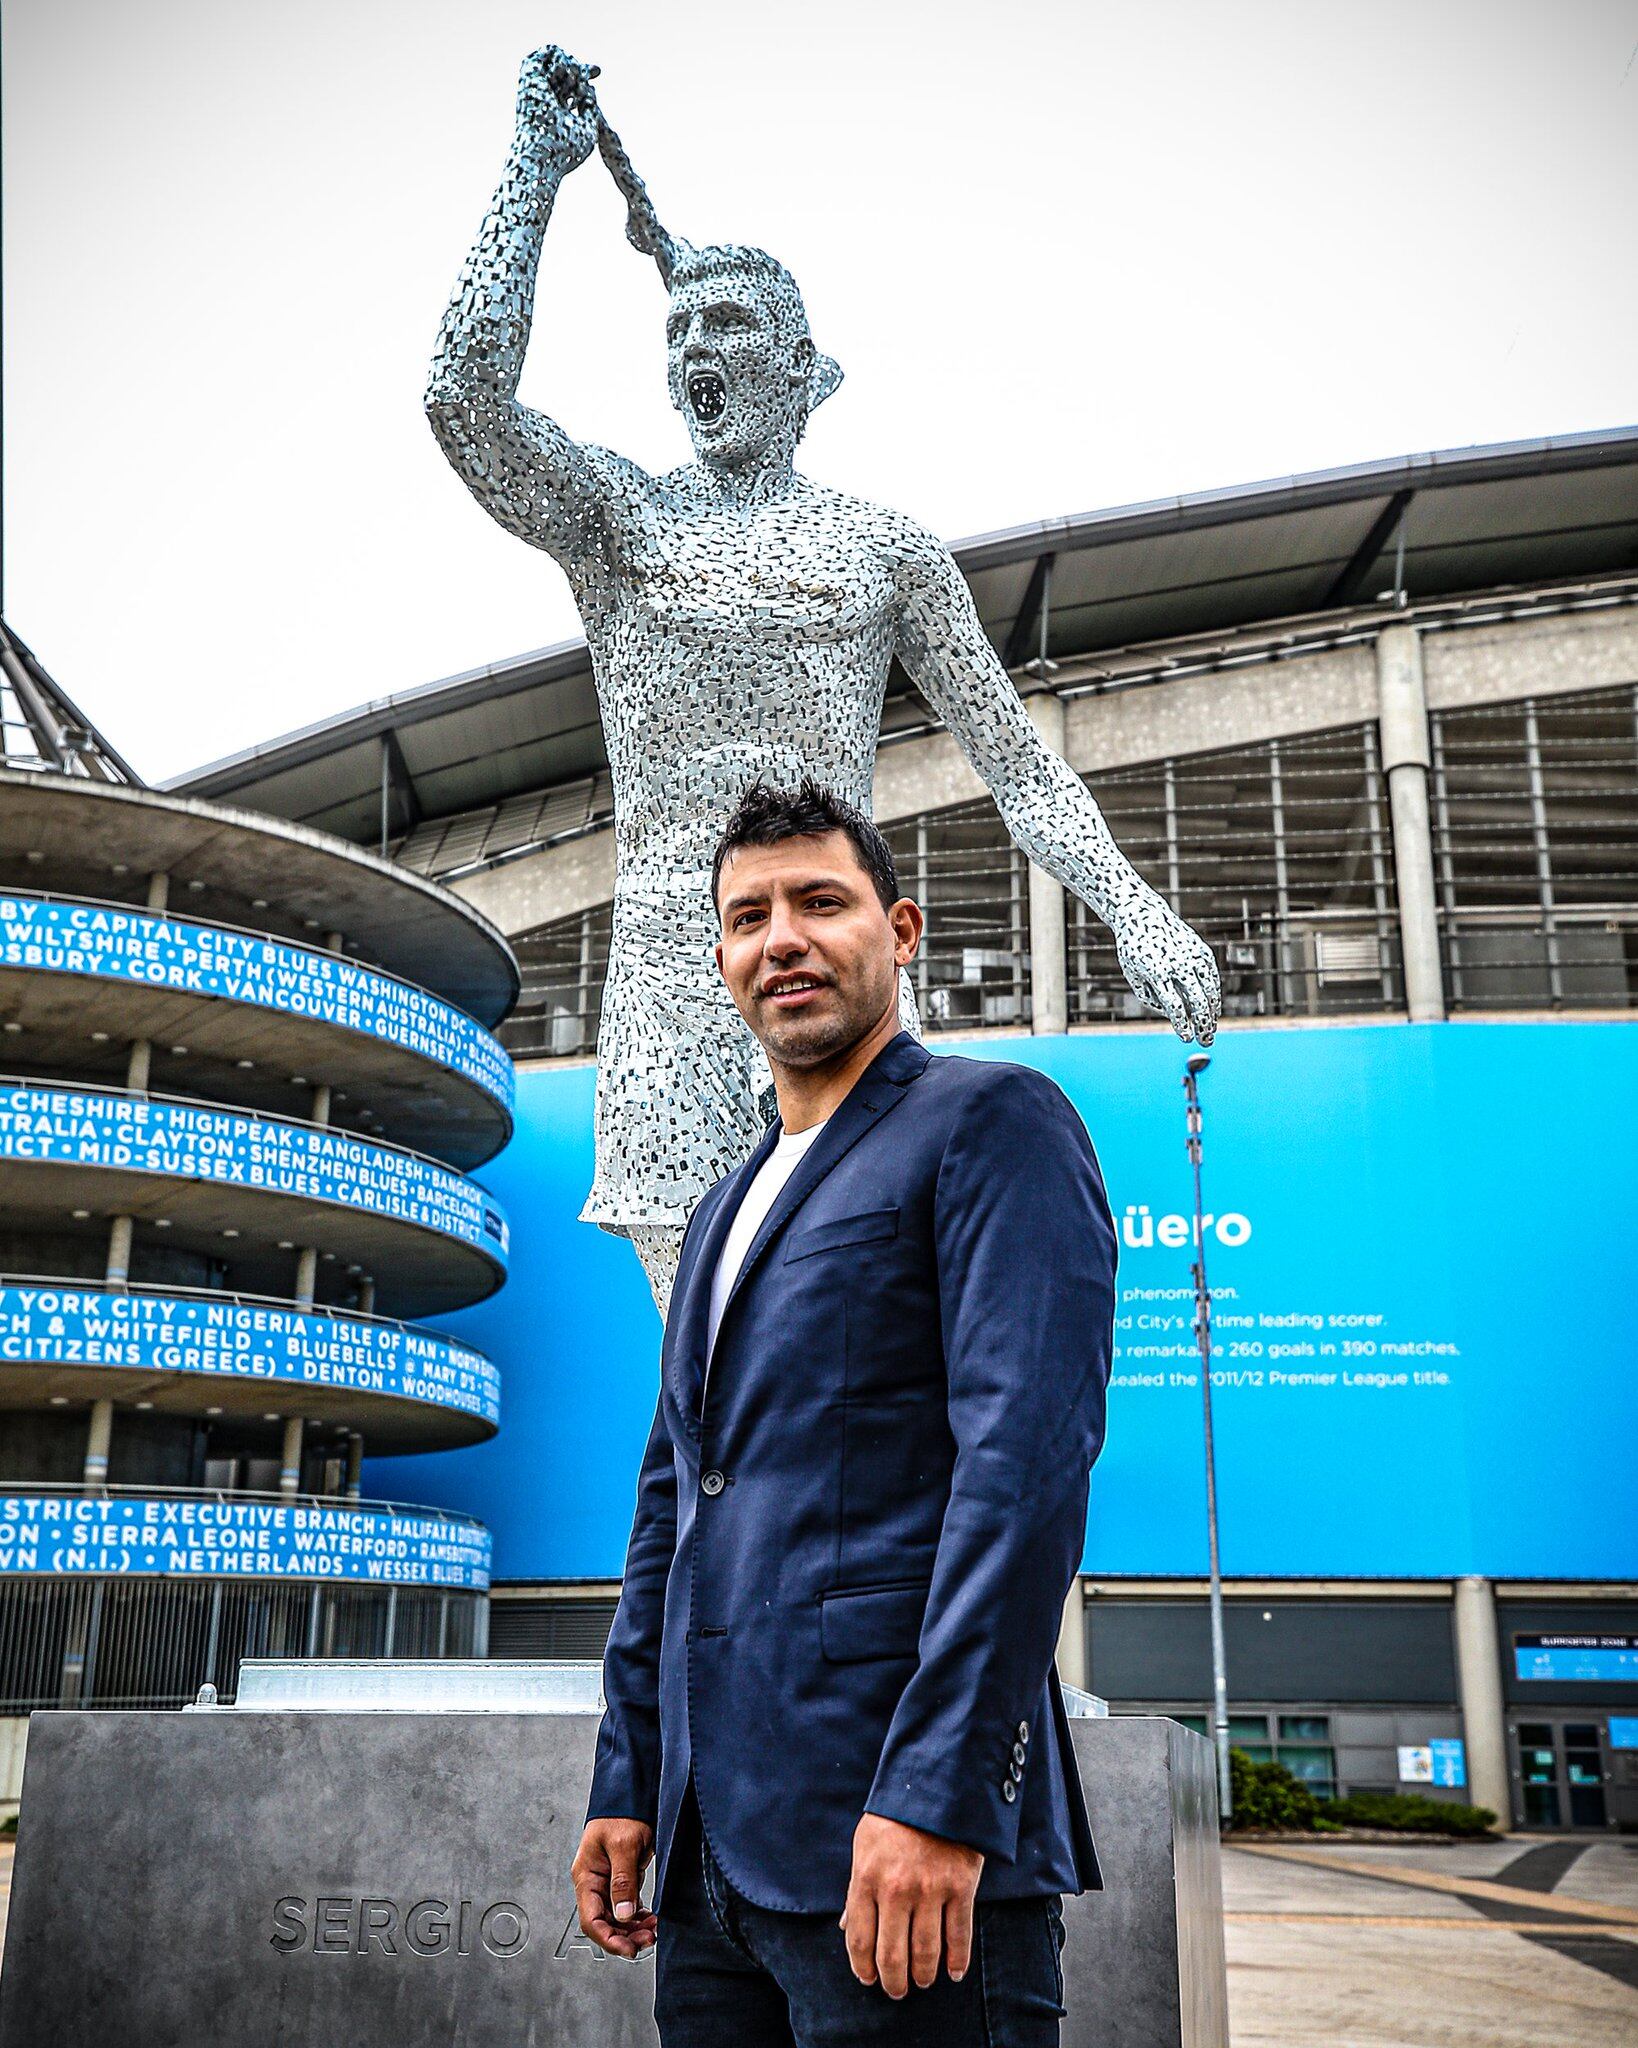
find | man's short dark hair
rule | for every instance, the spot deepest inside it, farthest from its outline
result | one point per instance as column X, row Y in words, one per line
column 765, row 815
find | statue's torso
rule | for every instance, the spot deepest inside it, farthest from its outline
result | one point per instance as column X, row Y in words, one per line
column 732, row 643
column 726, row 644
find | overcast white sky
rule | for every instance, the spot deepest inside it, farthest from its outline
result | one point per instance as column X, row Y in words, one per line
column 1069, row 253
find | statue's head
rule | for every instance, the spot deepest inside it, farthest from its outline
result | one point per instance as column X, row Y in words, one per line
column 743, row 370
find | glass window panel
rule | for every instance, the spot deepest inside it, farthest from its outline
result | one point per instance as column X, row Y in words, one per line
column 1305, row 1728
column 1248, row 1727
column 1308, row 1763
column 563, row 966
column 1535, row 818
column 972, row 884
column 1279, row 854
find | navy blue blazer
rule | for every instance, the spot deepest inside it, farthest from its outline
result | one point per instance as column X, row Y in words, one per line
column 853, row 1542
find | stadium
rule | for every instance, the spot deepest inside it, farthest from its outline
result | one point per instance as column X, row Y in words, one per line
column 1375, row 733
column 245, row 1076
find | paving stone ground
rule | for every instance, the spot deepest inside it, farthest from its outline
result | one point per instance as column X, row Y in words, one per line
column 1325, row 1959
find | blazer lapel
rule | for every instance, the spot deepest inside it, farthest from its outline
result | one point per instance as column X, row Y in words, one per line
column 879, row 1089
column 691, row 1297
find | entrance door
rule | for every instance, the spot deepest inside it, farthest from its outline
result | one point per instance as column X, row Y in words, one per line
column 1559, row 1773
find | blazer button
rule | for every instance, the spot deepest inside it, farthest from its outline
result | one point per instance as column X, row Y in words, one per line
column 1018, row 1754
column 1017, row 1771
column 712, row 1483
column 1009, row 1791
column 1023, row 1731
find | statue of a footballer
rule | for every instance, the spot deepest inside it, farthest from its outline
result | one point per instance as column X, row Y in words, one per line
column 741, row 621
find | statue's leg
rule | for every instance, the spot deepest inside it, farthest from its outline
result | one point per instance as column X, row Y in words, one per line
column 659, row 1245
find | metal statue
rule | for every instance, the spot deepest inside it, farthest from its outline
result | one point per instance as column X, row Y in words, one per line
column 741, row 621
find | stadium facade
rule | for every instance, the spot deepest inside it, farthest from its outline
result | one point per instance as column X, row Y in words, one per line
column 1375, row 732
column 245, row 1074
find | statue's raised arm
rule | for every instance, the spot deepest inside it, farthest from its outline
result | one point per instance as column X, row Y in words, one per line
column 525, row 471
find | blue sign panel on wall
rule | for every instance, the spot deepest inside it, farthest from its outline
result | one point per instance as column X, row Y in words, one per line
column 1419, row 1252
column 1449, row 1760
column 141, row 1331
column 241, row 1539
column 1578, row 1660
column 148, row 1134
column 117, row 944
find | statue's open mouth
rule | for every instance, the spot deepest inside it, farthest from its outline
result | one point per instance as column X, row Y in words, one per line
column 708, row 395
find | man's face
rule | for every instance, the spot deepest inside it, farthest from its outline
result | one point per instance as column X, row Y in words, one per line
column 810, row 956
column 737, row 371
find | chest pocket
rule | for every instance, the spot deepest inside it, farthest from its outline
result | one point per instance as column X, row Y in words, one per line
column 869, row 1228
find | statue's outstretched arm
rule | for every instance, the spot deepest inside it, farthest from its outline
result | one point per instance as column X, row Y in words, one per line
column 1044, row 804
column 520, row 466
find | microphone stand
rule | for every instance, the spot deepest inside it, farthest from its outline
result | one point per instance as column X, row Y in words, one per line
column 1197, row 1064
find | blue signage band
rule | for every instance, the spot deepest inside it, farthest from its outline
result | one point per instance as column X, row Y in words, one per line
column 52, row 1323
column 178, row 1536
column 53, row 935
column 48, row 1126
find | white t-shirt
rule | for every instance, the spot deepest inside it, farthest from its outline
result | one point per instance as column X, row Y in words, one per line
column 754, row 1205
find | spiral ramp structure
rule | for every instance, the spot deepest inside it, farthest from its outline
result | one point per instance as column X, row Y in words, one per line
column 246, row 1073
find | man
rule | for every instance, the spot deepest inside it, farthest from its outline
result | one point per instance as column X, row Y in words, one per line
column 741, row 621
column 862, row 1503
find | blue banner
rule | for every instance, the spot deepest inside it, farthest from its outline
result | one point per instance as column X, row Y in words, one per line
column 45, row 1323
column 155, row 951
column 240, row 1539
column 47, row 1125
column 1421, row 1254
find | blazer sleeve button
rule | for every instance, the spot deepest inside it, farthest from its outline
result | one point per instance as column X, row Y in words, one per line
column 1009, row 1791
column 1023, row 1731
column 1018, row 1754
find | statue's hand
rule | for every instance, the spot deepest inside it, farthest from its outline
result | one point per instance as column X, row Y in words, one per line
column 557, row 108
column 1170, row 967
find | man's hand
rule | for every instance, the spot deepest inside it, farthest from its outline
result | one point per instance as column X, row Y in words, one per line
column 910, row 1900
column 557, row 108
column 608, row 1874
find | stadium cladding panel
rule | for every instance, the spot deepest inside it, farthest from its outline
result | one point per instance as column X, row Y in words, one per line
column 246, row 1072
column 1375, row 732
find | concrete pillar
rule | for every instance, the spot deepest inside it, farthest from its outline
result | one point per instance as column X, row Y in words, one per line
column 1071, row 1655
column 307, row 1264
column 137, row 1067
column 1402, row 709
column 366, row 1295
column 119, row 1251
column 159, row 891
column 290, row 1463
column 96, row 1444
column 1048, row 922
column 1478, row 1679
column 355, row 1465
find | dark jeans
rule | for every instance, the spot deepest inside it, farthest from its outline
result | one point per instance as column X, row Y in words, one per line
column 729, row 1974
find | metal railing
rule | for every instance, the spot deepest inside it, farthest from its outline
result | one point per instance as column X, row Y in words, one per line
column 148, row 1642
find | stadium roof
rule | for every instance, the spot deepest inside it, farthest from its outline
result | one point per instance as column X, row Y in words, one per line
column 1517, row 514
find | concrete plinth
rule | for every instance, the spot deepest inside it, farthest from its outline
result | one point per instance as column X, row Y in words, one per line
column 400, row 1880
